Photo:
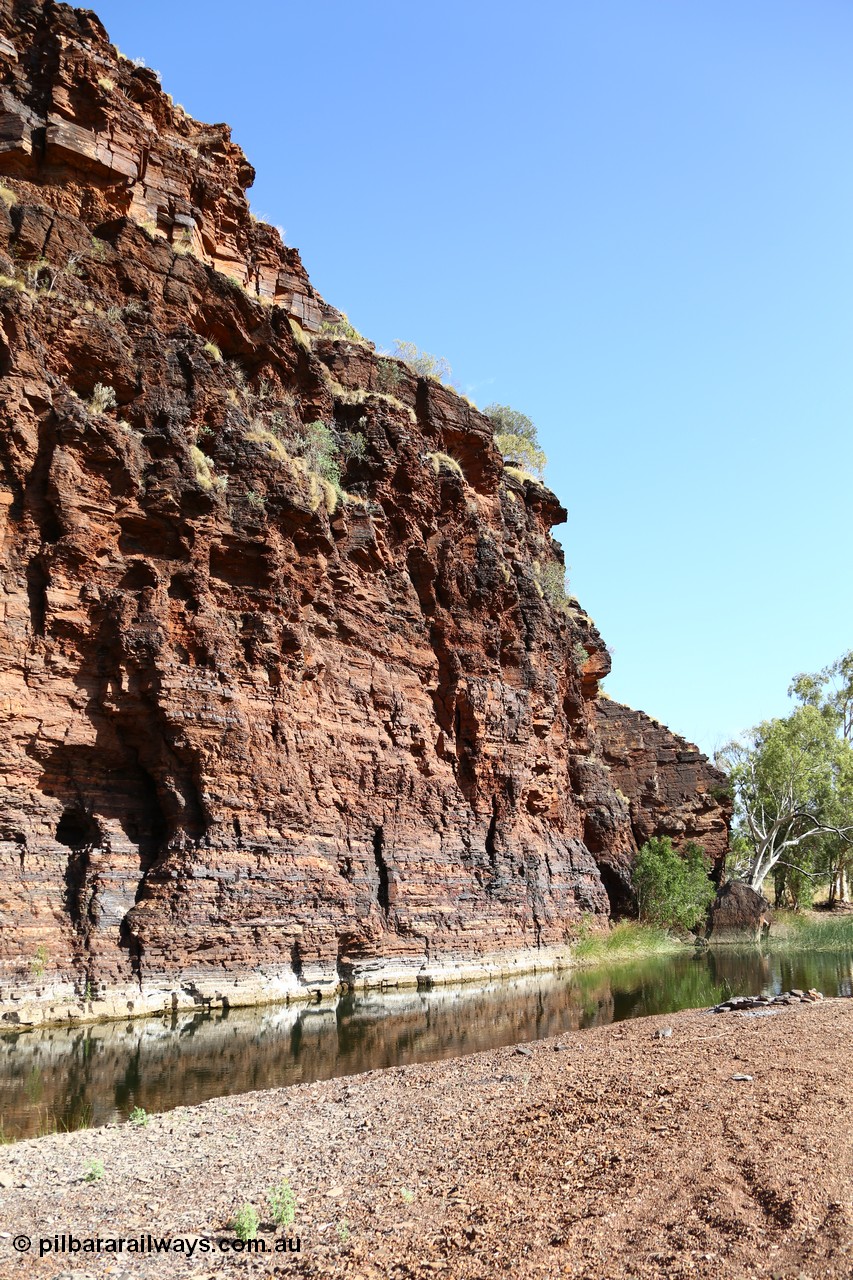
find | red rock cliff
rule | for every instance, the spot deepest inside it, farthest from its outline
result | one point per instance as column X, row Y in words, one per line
column 671, row 790
column 262, row 732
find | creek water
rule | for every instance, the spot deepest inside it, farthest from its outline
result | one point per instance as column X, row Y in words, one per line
column 67, row 1077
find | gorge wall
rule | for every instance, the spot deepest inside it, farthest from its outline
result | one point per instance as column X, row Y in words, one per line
column 263, row 733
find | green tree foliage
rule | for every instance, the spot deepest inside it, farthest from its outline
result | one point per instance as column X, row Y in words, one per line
column 517, row 439
column 672, row 888
column 792, row 779
column 831, row 691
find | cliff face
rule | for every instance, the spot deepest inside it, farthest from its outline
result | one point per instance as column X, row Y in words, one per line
column 262, row 732
column 669, row 786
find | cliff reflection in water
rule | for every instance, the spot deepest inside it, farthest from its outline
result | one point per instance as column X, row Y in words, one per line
column 64, row 1077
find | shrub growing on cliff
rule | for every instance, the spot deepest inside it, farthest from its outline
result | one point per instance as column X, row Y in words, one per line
column 673, row 889
column 552, row 577
column 388, row 376
column 341, row 329
column 317, row 446
column 103, row 398
column 517, row 438
column 422, row 363
column 353, row 445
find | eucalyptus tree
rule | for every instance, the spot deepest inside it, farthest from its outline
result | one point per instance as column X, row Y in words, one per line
column 831, row 691
column 792, row 780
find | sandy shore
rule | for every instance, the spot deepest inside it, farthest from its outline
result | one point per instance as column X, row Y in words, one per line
column 605, row 1153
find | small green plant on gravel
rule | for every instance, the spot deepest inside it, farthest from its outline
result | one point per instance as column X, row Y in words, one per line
column 408, row 1195
column 282, row 1204
column 343, row 1231
column 245, row 1222
column 138, row 1117
column 102, row 399
column 94, row 1171
column 38, row 964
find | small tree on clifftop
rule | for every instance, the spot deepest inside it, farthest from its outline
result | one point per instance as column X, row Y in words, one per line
column 517, row 438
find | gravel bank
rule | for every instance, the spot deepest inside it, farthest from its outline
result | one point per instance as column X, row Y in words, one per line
column 606, row 1153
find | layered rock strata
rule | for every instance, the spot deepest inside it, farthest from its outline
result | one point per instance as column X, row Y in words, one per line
column 670, row 788
column 287, row 698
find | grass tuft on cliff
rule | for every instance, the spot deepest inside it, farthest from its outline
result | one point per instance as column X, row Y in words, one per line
column 342, row 330
column 444, row 462
column 204, row 472
column 519, row 474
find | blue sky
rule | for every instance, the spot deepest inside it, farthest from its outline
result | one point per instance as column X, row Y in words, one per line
column 633, row 222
